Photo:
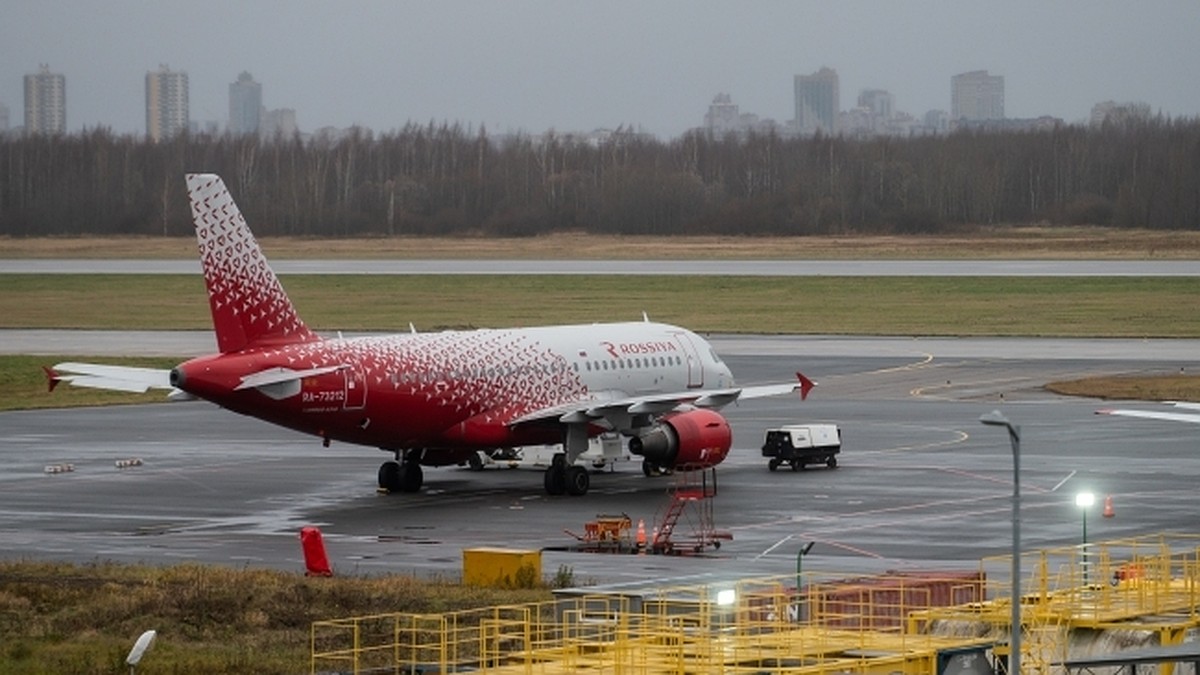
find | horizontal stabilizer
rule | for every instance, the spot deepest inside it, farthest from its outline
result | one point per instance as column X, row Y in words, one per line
column 114, row 378
column 271, row 376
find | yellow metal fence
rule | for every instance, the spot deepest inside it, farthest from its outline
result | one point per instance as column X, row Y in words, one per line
column 906, row 624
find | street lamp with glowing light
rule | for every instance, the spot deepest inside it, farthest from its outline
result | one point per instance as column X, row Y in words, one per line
column 1084, row 500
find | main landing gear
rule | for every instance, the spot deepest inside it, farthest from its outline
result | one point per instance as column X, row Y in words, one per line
column 401, row 475
column 563, row 479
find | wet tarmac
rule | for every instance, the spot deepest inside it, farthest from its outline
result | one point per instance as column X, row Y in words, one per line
column 920, row 483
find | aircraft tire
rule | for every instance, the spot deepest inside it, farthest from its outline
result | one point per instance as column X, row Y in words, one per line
column 555, row 480
column 577, row 480
column 389, row 476
column 411, row 477
column 475, row 462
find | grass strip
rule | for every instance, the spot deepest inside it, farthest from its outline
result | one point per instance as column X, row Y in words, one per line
column 926, row 306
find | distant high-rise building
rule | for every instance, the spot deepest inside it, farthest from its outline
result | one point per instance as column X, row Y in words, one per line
column 977, row 96
column 1119, row 113
column 45, row 102
column 817, row 102
column 937, row 122
column 722, row 115
column 245, row 105
column 3, row 119
column 166, row 103
column 281, row 123
column 882, row 104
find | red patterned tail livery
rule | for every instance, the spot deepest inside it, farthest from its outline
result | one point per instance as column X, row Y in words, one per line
column 249, row 306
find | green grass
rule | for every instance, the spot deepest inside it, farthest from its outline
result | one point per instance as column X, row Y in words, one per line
column 923, row 306
column 933, row 306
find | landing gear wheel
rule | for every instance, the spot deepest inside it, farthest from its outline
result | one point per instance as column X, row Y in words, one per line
column 555, row 480
column 389, row 476
column 773, row 464
column 411, row 477
column 648, row 468
column 475, row 462
column 576, row 480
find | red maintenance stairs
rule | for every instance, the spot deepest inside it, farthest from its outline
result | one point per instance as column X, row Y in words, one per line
column 691, row 505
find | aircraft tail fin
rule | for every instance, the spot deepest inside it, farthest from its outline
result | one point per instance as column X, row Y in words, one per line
column 249, row 306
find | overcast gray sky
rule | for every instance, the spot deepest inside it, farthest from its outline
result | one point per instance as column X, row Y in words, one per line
column 576, row 66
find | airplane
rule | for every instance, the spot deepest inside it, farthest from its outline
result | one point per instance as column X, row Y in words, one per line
column 1190, row 417
column 436, row 398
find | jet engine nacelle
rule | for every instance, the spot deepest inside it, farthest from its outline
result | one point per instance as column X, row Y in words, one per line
column 696, row 439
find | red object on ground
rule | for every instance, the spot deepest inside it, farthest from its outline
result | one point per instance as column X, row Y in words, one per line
column 315, row 560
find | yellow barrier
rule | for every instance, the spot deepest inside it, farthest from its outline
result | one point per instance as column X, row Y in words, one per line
column 897, row 623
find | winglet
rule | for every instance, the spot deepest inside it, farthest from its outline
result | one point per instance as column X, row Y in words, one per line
column 806, row 385
column 52, row 378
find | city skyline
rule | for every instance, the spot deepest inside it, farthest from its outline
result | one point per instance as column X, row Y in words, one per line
column 535, row 66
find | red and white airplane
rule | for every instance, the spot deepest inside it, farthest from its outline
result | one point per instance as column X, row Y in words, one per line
column 436, row 398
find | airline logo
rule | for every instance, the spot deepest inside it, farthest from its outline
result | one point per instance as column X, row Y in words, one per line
column 622, row 349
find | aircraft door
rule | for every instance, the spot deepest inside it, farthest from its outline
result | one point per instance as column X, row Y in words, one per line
column 356, row 389
column 695, row 364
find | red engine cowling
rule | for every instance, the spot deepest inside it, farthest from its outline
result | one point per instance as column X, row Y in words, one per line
column 696, row 439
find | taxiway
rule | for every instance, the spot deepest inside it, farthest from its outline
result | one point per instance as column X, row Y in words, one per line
column 921, row 483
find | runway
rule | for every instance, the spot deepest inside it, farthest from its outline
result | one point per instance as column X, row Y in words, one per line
column 921, row 483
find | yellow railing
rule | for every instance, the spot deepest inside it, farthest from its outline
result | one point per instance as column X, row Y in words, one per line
column 757, row 625
column 887, row 624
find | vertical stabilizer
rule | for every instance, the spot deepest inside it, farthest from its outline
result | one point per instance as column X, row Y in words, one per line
column 249, row 307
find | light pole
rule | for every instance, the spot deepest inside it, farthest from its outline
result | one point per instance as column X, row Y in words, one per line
column 997, row 419
column 1084, row 501
column 800, row 556
column 803, row 551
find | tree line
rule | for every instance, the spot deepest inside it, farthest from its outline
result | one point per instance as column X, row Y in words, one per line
column 443, row 179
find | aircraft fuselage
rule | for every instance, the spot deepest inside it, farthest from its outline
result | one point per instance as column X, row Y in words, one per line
column 455, row 388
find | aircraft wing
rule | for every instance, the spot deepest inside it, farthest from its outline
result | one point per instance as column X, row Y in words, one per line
column 1190, row 417
column 116, row 378
column 654, row 404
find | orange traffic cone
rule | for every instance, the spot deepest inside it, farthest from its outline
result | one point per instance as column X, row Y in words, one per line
column 1108, row 507
column 641, row 536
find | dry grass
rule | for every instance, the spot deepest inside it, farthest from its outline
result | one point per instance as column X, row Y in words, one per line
column 58, row 618
column 1027, row 242
column 1162, row 388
